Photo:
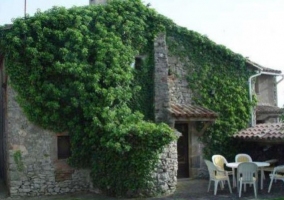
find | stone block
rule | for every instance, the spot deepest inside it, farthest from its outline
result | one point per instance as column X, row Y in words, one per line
column 15, row 176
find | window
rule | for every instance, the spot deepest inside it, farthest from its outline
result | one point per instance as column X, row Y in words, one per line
column 138, row 63
column 63, row 147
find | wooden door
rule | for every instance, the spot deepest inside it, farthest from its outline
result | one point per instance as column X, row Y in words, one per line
column 182, row 147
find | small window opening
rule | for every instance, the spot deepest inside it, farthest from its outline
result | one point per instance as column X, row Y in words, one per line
column 63, row 147
column 138, row 63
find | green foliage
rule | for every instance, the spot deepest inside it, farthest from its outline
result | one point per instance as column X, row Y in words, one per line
column 143, row 76
column 218, row 79
column 18, row 160
column 133, row 171
column 71, row 70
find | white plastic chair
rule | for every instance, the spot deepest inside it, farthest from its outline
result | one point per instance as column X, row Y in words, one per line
column 216, row 176
column 278, row 174
column 247, row 173
column 219, row 161
column 242, row 157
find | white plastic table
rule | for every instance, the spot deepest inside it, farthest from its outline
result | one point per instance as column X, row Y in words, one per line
column 260, row 165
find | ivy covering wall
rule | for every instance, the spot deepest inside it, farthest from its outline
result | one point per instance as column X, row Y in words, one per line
column 71, row 70
column 218, row 79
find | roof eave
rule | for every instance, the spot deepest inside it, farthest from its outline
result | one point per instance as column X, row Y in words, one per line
column 262, row 140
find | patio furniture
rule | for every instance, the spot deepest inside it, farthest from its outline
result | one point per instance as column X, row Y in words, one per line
column 220, row 161
column 247, row 173
column 216, row 176
column 242, row 157
column 278, row 174
column 260, row 165
column 270, row 168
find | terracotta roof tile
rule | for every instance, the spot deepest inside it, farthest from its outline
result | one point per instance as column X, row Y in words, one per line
column 191, row 111
column 267, row 131
column 263, row 109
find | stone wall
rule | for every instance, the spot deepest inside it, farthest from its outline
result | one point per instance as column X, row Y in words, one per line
column 161, row 99
column 33, row 168
column 171, row 86
column 266, row 94
column 178, row 86
column 180, row 93
column 267, row 90
column 165, row 176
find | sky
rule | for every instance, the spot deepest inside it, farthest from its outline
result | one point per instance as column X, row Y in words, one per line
column 252, row 28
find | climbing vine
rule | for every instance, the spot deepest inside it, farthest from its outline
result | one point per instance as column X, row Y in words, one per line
column 18, row 160
column 71, row 70
column 218, row 80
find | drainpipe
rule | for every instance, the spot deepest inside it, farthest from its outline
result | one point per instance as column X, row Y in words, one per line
column 250, row 96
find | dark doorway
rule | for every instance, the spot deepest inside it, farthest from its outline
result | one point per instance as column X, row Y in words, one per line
column 182, row 147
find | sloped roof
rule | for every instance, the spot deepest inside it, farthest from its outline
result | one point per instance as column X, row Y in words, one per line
column 191, row 112
column 267, row 131
column 264, row 69
column 267, row 109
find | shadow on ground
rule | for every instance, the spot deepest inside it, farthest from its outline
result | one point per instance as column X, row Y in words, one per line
column 197, row 189
column 186, row 189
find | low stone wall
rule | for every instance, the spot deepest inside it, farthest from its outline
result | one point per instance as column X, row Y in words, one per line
column 32, row 182
column 165, row 176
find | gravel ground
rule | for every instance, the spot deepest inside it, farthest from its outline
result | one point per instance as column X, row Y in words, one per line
column 195, row 189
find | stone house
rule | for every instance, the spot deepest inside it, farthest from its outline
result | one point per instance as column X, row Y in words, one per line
column 264, row 87
column 173, row 105
column 266, row 134
column 33, row 160
column 173, row 91
column 266, row 114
